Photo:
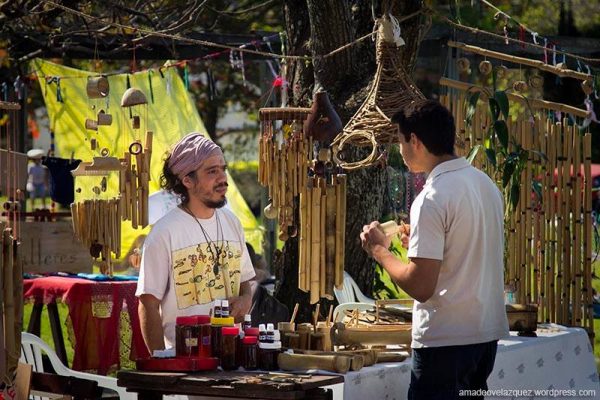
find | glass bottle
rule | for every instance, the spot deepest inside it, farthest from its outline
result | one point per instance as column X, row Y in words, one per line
column 228, row 351
column 250, row 353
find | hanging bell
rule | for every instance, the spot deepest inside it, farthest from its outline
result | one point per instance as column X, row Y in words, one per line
column 323, row 123
column 133, row 97
column 587, row 86
column 463, row 64
column 536, row 81
column 520, row 86
column 485, row 67
column 501, row 71
column 135, row 122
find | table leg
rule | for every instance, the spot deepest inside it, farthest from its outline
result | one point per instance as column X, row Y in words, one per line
column 35, row 319
column 59, row 342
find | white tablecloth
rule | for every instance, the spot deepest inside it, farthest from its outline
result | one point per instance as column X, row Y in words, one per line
column 560, row 360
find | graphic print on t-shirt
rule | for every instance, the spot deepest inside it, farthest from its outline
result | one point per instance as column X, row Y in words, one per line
column 194, row 277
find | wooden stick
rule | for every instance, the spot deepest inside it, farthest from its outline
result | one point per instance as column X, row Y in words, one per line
column 562, row 72
column 316, row 244
column 296, row 307
column 329, row 315
column 323, row 248
column 330, row 239
column 340, row 230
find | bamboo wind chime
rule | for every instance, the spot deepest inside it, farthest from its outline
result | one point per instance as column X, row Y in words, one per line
column 286, row 167
column 11, row 266
column 97, row 221
column 548, row 257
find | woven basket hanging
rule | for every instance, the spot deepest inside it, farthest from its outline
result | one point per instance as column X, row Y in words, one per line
column 391, row 91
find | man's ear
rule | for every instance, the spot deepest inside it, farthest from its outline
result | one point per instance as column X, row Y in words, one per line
column 187, row 181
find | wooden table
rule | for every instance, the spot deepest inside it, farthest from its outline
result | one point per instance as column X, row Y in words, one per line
column 153, row 385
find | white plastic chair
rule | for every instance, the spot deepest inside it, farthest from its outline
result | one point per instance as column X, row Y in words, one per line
column 350, row 293
column 32, row 348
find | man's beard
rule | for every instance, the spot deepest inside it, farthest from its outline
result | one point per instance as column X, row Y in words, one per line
column 215, row 204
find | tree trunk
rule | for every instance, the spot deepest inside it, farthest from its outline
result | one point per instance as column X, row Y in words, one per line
column 323, row 26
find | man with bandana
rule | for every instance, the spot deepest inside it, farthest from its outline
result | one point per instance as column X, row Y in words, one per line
column 196, row 253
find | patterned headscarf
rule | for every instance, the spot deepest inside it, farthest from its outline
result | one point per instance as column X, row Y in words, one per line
column 190, row 152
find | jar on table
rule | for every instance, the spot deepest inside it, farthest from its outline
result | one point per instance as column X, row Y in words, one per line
column 215, row 333
column 250, row 353
column 187, row 336
column 228, row 351
column 205, row 333
column 267, row 355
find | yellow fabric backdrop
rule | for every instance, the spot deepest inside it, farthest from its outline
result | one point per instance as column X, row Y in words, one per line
column 170, row 116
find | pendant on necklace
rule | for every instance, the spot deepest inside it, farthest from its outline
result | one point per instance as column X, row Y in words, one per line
column 216, row 267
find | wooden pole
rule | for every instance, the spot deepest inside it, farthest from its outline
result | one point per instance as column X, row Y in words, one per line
column 562, row 72
column 534, row 103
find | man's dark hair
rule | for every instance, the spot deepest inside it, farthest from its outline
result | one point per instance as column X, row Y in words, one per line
column 171, row 183
column 431, row 122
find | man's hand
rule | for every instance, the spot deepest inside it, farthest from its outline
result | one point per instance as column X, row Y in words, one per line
column 404, row 234
column 240, row 306
column 372, row 236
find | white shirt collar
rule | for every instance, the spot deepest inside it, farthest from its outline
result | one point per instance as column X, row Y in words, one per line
column 447, row 166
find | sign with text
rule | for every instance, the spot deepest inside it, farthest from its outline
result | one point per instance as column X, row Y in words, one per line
column 52, row 247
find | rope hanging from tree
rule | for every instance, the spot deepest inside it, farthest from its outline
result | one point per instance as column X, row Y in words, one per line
column 391, row 90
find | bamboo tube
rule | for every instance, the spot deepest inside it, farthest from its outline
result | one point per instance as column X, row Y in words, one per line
column 587, row 229
column 560, row 225
column 576, row 252
column 566, row 266
column 308, row 229
column 292, row 362
column 134, row 197
column 553, row 222
column 330, row 226
column 302, row 243
column 9, row 298
column 357, row 360
column 533, row 103
column 562, row 72
column 526, row 201
column 340, row 230
column 323, row 248
column 315, row 242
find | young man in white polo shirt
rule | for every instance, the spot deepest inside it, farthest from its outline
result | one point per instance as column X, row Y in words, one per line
column 455, row 270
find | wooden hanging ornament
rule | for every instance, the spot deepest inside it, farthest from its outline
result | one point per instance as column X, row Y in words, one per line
column 463, row 64
column 391, row 90
column 520, row 86
column 587, row 86
column 501, row 71
column 97, row 87
column 536, row 81
column 485, row 67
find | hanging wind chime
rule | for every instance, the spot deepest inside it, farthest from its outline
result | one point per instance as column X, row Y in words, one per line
column 295, row 180
column 134, row 183
column 11, row 266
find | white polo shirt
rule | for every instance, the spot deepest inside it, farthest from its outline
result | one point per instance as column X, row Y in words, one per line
column 458, row 219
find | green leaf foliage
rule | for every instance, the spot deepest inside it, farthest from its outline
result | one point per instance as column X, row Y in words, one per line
column 494, row 108
column 472, row 105
column 502, row 132
column 491, row 155
column 507, row 173
column 515, row 192
column 473, row 153
column 502, row 100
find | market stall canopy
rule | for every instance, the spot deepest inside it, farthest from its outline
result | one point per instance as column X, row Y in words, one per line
column 171, row 113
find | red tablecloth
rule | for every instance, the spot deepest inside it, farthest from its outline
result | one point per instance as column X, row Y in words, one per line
column 95, row 313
